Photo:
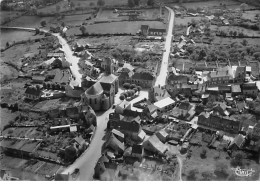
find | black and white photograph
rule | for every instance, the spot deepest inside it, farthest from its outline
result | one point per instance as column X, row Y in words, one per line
column 130, row 90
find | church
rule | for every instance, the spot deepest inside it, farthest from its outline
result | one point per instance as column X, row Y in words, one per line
column 101, row 95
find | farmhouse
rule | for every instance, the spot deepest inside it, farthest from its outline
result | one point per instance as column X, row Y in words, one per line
column 143, row 78
column 147, row 31
column 33, row 93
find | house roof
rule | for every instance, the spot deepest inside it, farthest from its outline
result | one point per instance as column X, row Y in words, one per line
column 115, row 144
column 33, row 91
column 61, row 177
column 96, row 89
column 163, row 133
column 180, row 78
column 146, row 27
column 151, row 108
column 239, row 140
column 236, row 88
column 164, row 102
column 156, row 144
column 118, row 133
column 79, row 140
column 106, row 86
column 249, row 86
column 38, row 77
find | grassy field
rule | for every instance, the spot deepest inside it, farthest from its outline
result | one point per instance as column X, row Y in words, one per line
column 74, row 20
column 30, row 21
column 185, row 20
column 8, row 14
column 214, row 3
column 117, row 27
column 78, row 4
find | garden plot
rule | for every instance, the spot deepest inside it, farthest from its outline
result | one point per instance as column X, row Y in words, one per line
column 117, row 27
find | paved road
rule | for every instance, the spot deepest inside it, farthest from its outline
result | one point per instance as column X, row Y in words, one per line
column 70, row 58
column 161, row 79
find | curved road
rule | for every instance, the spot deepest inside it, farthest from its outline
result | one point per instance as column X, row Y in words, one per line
column 87, row 161
column 161, row 78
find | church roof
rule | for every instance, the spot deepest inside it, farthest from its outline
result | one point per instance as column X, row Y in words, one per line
column 95, row 89
column 108, row 78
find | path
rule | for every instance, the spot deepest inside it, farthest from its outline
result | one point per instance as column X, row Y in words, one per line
column 161, row 79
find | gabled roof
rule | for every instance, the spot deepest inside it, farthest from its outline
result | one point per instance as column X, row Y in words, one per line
column 118, row 133
column 106, row 86
column 239, row 140
column 96, row 89
column 164, row 102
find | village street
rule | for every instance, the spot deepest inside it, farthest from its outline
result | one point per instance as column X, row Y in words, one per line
column 161, row 78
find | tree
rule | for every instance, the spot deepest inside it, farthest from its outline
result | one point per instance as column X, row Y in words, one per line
column 139, row 88
column 83, row 29
column 221, row 170
column 243, row 7
column 7, row 44
column 58, row 8
column 124, row 94
column 244, row 42
column 237, row 160
column 126, row 86
column 207, row 175
column 150, row 2
column 132, row 86
column 235, row 33
column 122, row 97
column 256, row 55
column 192, row 175
column 131, row 3
column 63, row 24
column 137, row 2
column 135, row 89
column 43, row 23
column 101, row 3
column 91, row 4
column 203, row 154
column 72, row 5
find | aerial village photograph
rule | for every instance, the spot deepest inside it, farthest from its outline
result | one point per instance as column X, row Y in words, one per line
column 130, row 90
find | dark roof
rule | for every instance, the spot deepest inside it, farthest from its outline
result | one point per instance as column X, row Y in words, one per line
column 106, row 86
column 143, row 75
column 137, row 149
column 157, row 30
column 146, row 27
column 180, row 78
column 33, row 91
column 95, row 89
column 249, row 86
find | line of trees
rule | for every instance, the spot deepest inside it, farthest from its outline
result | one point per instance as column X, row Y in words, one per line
column 131, row 90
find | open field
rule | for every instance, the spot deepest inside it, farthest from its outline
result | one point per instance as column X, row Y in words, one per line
column 238, row 29
column 226, row 41
column 116, row 27
column 113, row 41
column 74, row 20
column 6, row 116
column 15, row 36
column 250, row 14
column 78, row 4
column 29, row 21
column 5, row 15
column 185, row 20
column 210, row 4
